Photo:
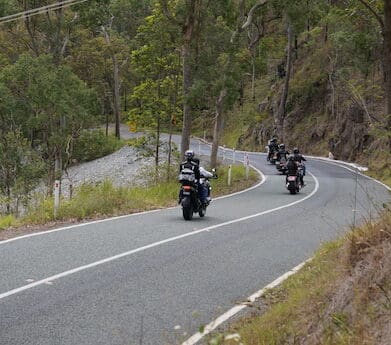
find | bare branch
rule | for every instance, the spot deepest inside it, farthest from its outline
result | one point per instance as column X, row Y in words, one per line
column 372, row 10
column 251, row 13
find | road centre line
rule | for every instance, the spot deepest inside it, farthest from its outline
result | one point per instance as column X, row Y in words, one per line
column 152, row 245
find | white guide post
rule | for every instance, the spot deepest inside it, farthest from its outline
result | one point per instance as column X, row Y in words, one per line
column 56, row 197
column 247, row 163
column 229, row 174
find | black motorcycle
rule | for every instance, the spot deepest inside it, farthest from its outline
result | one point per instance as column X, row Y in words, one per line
column 188, row 195
column 293, row 181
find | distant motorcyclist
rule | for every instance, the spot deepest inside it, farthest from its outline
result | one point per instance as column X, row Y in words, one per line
column 273, row 147
column 292, row 167
column 282, row 152
column 299, row 158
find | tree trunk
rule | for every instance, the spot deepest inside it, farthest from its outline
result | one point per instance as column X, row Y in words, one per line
column 157, row 149
column 187, row 116
column 387, row 60
column 217, row 127
column 253, row 76
column 116, row 93
column 284, row 96
column 117, row 111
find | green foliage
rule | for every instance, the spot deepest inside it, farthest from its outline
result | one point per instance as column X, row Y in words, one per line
column 105, row 199
column 93, row 144
column 144, row 144
column 20, row 168
column 7, row 221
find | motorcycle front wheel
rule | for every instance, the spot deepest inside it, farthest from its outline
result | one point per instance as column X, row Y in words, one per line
column 202, row 211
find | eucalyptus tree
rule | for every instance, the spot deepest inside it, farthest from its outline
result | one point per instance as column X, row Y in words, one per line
column 50, row 106
column 156, row 64
column 186, row 15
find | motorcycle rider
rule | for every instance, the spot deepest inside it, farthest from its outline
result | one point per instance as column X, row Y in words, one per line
column 282, row 153
column 205, row 174
column 193, row 164
column 292, row 167
column 273, row 147
column 299, row 158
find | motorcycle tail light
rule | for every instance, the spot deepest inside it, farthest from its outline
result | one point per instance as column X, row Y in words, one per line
column 187, row 188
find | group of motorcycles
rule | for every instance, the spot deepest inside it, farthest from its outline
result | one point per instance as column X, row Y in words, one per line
column 189, row 191
column 292, row 181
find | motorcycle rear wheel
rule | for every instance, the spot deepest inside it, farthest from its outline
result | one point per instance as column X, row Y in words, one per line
column 187, row 212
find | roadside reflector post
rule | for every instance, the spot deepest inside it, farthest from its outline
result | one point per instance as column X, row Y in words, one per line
column 199, row 148
column 229, row 174
column 56, row 197
column 204, row 135
column 247, row 163
column 223, row 152
column 233, row 155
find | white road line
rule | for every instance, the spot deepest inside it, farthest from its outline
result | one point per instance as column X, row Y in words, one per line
column 263, row 179
column 233, row 311
column 352, row 169
column 152, row 245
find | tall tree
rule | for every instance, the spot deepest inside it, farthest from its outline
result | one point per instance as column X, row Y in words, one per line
column 280, row 115
column 187, row 17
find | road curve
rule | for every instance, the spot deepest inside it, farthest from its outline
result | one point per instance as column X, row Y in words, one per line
column 150, row 278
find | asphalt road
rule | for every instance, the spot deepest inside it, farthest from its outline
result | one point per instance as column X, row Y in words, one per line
column 150, row 278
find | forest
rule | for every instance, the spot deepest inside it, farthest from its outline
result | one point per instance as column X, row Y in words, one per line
column 316, row 73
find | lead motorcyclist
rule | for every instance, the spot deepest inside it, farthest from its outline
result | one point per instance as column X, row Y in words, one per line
column 299, row 158
column 193, row 164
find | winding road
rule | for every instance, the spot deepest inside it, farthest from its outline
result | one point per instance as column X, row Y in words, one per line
column 153, row 278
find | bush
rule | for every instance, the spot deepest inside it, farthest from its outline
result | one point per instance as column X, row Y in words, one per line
column 7, row 221
column 94, row 144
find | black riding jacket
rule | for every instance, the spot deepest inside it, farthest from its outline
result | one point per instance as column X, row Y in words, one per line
column 192, row 165
column 273, row 147
column 282, row 154
column 292, row 168
column 299, row 157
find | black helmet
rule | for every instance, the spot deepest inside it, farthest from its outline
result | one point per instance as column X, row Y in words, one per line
column 273, row 140
column 282, row 146
column 296, row 150
column 189, row 154
column 291, row 158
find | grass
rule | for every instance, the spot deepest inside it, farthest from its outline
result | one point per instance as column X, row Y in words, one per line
column 105, row 199
column 7, row 221
column 341, row 297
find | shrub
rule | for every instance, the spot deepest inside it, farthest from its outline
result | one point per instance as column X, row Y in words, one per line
column 94, row 144
column 7, row 221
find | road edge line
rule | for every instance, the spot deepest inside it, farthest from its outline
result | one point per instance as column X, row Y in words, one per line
column 234, row 310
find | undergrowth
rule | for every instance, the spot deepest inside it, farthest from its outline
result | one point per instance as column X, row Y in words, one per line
column 105, row 199
column 342, row 296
